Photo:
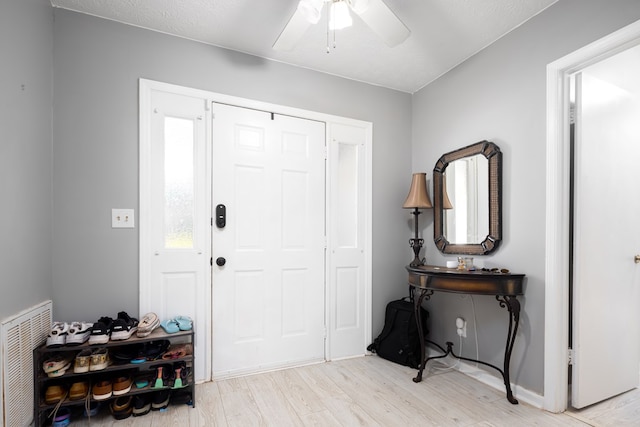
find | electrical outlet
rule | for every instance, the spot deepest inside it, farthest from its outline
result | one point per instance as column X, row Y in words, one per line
column 461, row 327
column 122, row 218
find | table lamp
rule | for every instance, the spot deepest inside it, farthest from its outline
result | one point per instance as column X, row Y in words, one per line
column 417, row 199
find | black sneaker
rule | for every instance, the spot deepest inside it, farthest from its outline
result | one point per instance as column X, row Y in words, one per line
column 101, row 331
column 141, row 405
column 124, row 326
column 160, row 400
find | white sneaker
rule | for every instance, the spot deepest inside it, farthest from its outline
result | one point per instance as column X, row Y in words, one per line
column 79, row 332
column 58, row 334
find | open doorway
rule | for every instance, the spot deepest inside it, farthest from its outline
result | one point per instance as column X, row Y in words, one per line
column 558, row 207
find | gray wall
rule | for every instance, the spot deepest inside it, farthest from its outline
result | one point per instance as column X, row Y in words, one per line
column 26, row 34
column 500, row 95
column 97, row 64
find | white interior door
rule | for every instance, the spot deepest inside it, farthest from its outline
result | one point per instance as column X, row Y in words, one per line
column 269, row 297
column 605, row 324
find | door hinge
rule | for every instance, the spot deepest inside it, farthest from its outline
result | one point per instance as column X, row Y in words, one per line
column 570, row 357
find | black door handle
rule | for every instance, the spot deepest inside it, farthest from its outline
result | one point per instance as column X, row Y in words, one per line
column 220, row 261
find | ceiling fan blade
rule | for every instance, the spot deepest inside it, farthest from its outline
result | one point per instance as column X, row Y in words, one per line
column 384, row 23
column 293, row 31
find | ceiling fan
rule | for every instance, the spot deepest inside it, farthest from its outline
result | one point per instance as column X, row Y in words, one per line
column 375, row 13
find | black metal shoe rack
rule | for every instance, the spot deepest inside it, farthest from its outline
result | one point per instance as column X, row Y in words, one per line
column 42, row 410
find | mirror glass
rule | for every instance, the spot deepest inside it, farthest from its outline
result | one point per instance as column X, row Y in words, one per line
column 467, row 200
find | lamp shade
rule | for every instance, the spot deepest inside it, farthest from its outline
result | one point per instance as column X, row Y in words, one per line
column 418, row 197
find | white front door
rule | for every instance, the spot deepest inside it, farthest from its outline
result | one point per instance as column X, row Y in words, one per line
column 269, row 296
column 606, row 321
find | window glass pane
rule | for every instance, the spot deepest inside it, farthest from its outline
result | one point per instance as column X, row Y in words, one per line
column 178, row 183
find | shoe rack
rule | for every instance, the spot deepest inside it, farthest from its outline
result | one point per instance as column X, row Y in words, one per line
column 147, row 369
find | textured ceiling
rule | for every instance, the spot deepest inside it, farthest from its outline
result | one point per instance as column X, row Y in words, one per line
column 443, row 33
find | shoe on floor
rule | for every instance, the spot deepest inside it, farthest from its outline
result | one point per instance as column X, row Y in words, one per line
column 78, row 333
column 58, row 334
column 92, row 409
column 121, row 407
column 141, row 405
column 160, row 400
column 101, row 331
column 123, row 327
column 62, row 418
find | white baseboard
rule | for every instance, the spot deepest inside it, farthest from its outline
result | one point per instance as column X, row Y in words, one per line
column 467, row 368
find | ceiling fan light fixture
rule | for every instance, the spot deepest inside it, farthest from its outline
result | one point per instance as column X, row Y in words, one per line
column 311, row 10
column 359, row 6
column 339, row 16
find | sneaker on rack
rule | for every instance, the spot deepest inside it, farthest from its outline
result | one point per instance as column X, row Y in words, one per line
column 56, row 363
column 58, row 334
column 148, row 323
column 101, row 331
column 123, row 327
column 102, row 390
column 99, row 360
column 78, row 333
column 82, row 362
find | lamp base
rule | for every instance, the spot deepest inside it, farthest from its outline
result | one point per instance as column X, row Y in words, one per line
column 416, row 245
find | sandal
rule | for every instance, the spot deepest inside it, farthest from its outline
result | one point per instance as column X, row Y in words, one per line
column 184, row 323
column 177, row 352
column 170, row 326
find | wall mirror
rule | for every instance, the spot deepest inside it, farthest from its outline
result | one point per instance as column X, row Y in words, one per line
column 467, row 200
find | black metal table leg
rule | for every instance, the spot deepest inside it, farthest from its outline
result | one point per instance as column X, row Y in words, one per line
column 513, row 306
column 417, row 304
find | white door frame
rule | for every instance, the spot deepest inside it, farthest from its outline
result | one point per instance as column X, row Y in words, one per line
column 145, row 86
column 556, row 373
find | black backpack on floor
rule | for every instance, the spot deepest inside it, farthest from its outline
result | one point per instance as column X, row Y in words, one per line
column 399, row 341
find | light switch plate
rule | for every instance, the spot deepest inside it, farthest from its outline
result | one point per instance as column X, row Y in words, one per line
column 122, row 218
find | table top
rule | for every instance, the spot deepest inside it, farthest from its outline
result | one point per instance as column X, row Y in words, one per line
column 468, row 282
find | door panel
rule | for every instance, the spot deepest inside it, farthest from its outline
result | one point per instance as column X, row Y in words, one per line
column 348, row 289
column 268, row 307
column 606, row 327
column 175, row 230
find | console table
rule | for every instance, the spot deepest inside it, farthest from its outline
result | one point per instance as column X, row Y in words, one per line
column 425, row 280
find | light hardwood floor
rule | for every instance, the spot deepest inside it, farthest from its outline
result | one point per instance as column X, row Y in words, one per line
column 365, row 391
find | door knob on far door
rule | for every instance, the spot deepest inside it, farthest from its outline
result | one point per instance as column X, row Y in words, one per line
column 636, row 259
column 220, row 261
